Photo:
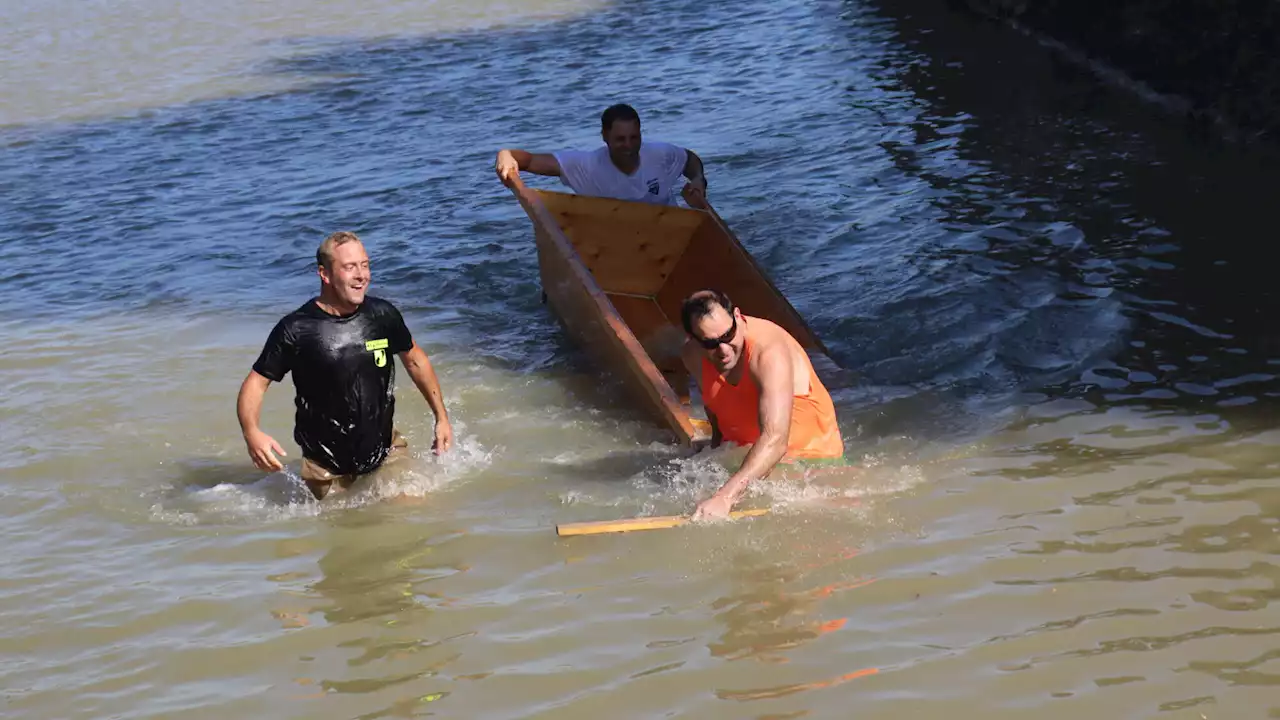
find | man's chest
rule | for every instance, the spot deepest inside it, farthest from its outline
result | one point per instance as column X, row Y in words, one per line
column 344, row 348
column 643, row 184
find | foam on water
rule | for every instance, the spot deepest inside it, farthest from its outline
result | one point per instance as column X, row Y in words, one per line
column 282, row 496
column 679, row 483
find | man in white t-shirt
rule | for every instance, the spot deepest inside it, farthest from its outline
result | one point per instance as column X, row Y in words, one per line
column 624, row 168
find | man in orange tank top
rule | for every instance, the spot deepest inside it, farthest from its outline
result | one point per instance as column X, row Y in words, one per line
column 759, row 389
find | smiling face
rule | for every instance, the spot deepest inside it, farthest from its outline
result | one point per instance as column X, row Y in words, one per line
column 623, row 139
column 722, row 336
column 346, row 277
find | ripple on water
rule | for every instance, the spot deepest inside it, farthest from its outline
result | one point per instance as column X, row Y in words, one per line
column 1054, row 377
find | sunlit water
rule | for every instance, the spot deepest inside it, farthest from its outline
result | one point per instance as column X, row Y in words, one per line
column 1052, row 322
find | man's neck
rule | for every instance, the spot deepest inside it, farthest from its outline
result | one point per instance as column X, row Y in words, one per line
column 734, row 375
column 334, row 306
column 625, row 168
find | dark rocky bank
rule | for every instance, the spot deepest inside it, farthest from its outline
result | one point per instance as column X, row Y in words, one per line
column 1215, row 61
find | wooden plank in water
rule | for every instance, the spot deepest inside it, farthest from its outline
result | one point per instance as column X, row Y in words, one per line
column 660, row 522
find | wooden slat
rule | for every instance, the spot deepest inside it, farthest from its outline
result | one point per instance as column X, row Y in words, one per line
column 716, row 259
column 629, row 247
column 588, row 314
column 625, row 257
column 622, row 212
column 789, row 317
column 661, row 338
column 642, row 523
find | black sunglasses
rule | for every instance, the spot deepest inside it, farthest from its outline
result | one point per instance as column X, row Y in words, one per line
column 725, row 339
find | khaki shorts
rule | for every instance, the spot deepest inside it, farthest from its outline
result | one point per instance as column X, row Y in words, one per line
column 320, row 480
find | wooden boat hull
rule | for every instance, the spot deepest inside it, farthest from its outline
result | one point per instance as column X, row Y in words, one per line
column 616, row 272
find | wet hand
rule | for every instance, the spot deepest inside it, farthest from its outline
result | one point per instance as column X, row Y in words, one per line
column 444, row 437
column 716, row 507
column 695, row 195
column 507, row 168
column 261, row 447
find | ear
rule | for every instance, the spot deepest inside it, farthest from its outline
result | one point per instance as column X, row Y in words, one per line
column 324, row 274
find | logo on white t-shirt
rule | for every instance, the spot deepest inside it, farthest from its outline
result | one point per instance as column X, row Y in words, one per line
column 592, row 172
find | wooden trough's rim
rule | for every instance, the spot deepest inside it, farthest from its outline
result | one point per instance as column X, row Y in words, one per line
column 677, row 418
column 800, row 329
column 791, row 310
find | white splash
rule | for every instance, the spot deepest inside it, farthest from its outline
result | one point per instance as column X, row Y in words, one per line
column 282, row 495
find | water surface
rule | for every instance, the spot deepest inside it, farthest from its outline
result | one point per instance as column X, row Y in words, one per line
column 1045, row 301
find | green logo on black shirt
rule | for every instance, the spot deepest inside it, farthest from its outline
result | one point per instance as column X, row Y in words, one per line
column 379, row 350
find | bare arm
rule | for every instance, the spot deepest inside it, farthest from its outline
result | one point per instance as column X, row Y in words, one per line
column 695, row 191
column 773, row 373
column 418, row 365
column 249, row 401
column 694, row 171
column 511, row 162
column 249, row 411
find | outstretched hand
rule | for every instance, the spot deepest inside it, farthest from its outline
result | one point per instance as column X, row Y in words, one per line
column 444, row 437
column 260, row 447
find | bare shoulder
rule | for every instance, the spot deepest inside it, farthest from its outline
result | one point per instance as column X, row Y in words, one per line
column 765, row 335
column 769, row 350
column 763, row 329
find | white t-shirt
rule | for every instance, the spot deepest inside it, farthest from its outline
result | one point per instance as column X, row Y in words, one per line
column 591, row 172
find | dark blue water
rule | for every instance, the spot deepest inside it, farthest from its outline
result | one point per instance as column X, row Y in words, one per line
column 971, row 226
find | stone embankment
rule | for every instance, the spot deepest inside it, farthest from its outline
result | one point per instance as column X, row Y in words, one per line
column 1215, row 61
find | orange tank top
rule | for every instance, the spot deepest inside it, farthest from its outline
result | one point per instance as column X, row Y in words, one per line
column 814, row 432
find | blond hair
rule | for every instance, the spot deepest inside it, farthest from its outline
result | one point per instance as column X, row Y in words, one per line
column 324, row 255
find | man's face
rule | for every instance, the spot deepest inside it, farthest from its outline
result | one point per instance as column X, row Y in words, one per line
column 724, row 333
column 348, row 273
column 623, row 139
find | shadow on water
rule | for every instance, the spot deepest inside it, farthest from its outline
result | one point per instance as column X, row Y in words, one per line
column 1114, row 200
column 212, row 489
column 204, row 473
column 619, row 466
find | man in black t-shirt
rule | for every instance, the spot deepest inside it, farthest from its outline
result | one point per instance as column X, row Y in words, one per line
column 339, row 347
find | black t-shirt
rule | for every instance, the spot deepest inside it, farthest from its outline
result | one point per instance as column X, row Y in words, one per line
column 344, row 373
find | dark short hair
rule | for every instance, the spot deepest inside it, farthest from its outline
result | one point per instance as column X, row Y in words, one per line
column 701, row 304
column 614, row 113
